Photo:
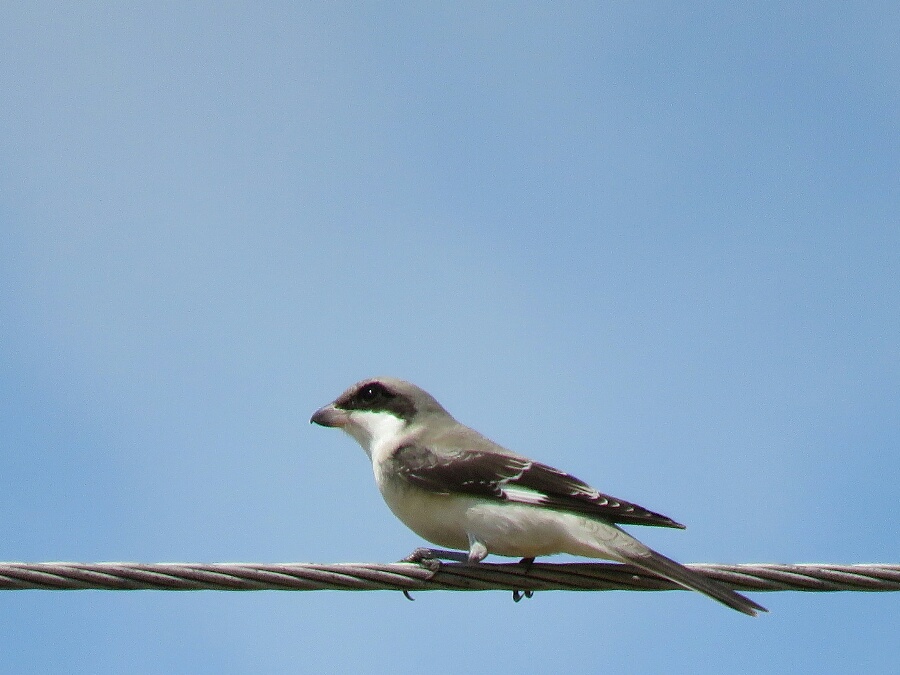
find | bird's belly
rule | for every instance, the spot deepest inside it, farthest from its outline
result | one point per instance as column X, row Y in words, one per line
column 517, row 530
column 505, row 528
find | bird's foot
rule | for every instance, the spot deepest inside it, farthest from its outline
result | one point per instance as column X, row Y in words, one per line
column 431, row 557
column 517, row 594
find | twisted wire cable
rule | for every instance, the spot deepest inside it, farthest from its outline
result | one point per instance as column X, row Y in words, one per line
column 407, row 576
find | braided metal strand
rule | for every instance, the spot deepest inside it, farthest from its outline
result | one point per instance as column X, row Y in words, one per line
column 403, row 576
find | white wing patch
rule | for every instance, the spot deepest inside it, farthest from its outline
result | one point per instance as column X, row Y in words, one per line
column 523, row 495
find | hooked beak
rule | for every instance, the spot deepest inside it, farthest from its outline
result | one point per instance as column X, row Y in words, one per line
column 329, row 416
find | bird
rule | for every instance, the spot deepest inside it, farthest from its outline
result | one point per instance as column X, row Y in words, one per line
column 458, row 489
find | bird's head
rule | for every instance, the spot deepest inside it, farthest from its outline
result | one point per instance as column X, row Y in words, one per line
column 376, row 410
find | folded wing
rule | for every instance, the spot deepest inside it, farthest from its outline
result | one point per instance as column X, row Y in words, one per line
column 515, row 479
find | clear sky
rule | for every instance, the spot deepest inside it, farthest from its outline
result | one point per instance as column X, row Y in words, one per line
column 654, row 244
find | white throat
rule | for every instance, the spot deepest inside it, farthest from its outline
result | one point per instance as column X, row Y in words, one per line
column 376, row 432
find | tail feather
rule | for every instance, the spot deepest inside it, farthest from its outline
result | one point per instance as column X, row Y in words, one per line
column 665, row 567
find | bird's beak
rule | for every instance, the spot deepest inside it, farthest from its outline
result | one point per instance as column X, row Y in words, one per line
column 329, row 416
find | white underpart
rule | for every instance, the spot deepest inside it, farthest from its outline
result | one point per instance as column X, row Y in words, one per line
column 525, row 531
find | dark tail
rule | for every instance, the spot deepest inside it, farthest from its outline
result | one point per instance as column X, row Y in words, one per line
column 683, row 576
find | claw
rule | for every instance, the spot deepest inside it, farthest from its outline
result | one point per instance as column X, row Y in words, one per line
column 408, row 596
column 518, row 595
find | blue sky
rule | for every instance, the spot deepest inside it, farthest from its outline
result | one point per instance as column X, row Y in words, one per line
column 654, row 244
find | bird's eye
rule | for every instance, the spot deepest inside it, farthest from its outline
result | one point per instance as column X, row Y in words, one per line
column 368, row 394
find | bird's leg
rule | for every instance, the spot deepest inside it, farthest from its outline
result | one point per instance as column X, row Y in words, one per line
column 517, row 594
column 477, row 550
column 424, row 556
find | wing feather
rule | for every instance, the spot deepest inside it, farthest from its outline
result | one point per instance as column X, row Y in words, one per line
column 515, row 479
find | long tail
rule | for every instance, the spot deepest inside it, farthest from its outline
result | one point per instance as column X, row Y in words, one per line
column 683, row 576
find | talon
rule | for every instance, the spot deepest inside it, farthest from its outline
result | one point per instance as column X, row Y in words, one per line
column 526, row 563
column 408, row 596
column 518, row 595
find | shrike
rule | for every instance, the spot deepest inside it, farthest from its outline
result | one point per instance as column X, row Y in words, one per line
column 460, row 490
